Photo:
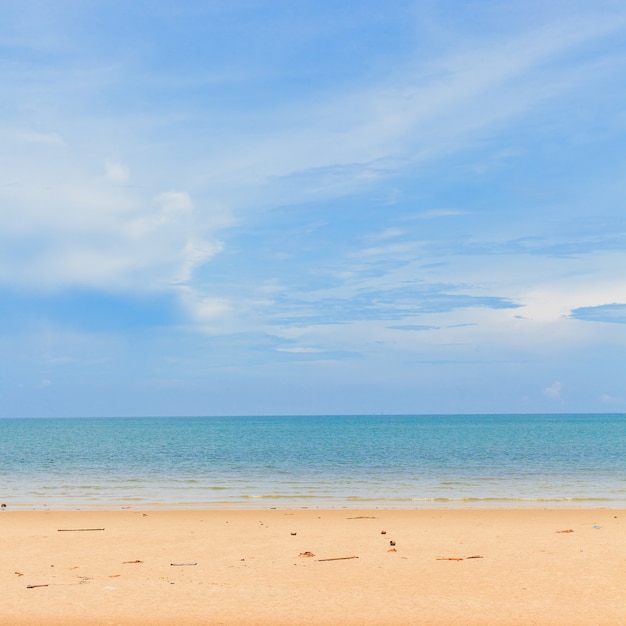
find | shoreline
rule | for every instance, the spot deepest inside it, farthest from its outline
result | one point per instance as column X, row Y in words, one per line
column 263, row 503
column 461, row 565
column 434, row 506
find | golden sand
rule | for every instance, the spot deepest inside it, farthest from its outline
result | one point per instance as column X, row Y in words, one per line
column 463, row 567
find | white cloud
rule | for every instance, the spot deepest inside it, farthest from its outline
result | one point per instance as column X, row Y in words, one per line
column 605, row 398
column 53, row 139
column 390, row 250
column 300, row 350
column 201, row 308
column 554, row 390
column 175, row 203
column 116, row 172
column 93, row 235
column 390, row 233
column 434, row 213
column 195, row 253
column 553, row 298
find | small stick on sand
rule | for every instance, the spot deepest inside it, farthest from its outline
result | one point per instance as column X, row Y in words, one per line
column 339, row 558
column 76, row 530
column 182, row 564
column 34, row 586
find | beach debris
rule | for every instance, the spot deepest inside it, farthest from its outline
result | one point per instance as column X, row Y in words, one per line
column 596, row 526
column 392, row 550
column 19, row 573
column 475, row 556
column 83, row 580
column 136, row 561
column 362, row 517
column 182, row 564
column 383, row 532
column 459, row 558
column 307, row 553
column 114, row 575
column 76, row 530
column 293, row 534
column 392, row 543
column 338, row 558
column 568, row 530
column 3, row 506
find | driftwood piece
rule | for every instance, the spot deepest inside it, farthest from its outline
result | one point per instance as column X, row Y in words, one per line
column 182, row 564
column 339, row 558
column 76, row 530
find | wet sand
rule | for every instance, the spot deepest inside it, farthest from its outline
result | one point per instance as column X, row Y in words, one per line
column 309, row 566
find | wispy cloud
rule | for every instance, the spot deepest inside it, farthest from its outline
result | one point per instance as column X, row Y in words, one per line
column 609, row 313
column 358, row 138
column 413, row 327
column 435, row 213
column 383, row 305
column 52, row 139
column 438, row 191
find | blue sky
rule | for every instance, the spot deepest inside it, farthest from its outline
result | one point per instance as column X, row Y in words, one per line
column 257, row 207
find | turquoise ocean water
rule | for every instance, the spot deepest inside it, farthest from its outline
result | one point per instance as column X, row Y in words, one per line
column 407, row 461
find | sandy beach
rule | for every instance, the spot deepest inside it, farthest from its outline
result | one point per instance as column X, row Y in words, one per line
column 312, row 566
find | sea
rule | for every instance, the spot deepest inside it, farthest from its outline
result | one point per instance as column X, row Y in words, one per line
column 325, row 461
